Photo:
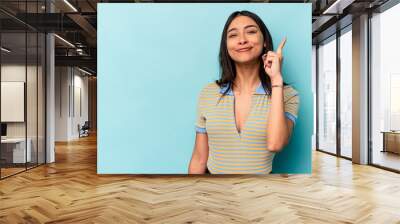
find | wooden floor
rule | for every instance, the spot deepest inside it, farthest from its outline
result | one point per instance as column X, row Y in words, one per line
column 5, row 172
column 70, row 191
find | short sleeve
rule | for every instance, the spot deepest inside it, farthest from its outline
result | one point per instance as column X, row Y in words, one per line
column 291, row 100
column 200, row 125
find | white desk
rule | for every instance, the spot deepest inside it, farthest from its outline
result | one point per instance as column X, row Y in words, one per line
column 19, row 149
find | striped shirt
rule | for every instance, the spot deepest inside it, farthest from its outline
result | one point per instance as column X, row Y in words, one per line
column 231, row 152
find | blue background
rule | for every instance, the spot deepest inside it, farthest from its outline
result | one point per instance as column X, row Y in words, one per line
column 153, row 60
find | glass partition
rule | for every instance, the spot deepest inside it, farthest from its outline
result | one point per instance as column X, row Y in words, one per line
column 14, row 153
column 22, row 77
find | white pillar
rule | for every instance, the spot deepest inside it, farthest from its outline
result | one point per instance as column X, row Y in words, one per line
column 50, row 91
column 360, row 90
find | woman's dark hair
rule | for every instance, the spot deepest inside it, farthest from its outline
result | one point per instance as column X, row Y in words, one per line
column 228, row 69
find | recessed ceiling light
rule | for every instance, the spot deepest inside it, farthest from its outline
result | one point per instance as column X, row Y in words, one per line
column 70, row 5
column 64, row 40
column 338, row 6
column 5, row 50
column 84, row 71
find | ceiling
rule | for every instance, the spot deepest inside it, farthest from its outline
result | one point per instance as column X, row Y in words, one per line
column 76, row 22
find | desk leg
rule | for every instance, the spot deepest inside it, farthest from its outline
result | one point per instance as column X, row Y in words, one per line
column 384, row 143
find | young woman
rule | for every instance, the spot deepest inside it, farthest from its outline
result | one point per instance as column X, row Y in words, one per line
column 247, row 115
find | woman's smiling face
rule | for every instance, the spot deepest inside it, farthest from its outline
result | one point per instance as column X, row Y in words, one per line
column 244, row 40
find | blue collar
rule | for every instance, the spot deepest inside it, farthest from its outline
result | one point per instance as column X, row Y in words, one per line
column 259, row 91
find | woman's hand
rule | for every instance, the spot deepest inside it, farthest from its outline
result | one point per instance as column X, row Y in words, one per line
column 273, row 63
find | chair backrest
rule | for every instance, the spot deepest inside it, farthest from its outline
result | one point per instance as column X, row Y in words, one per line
column 86, row 125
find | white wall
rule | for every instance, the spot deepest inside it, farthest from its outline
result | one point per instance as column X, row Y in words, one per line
column 79, row 117
column 70, row 84
column 15, row 72
column 62, row 81
column 33, row 127
column 9, row 73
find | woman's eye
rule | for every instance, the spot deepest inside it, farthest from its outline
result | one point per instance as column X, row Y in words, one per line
column 232, row 35
column 252, row 31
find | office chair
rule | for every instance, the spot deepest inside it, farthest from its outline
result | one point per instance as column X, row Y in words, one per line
column 84, row 130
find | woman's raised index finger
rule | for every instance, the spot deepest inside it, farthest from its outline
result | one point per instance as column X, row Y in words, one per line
column 281, row 45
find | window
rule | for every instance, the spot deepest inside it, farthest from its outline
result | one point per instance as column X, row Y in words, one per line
column 346, row 92
column 327, row 96
column 385, row 89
